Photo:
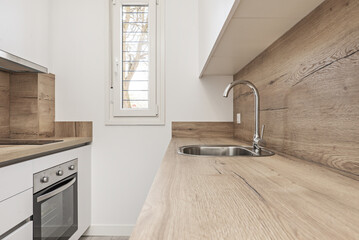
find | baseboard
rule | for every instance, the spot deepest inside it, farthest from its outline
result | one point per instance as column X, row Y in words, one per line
column 109, row 230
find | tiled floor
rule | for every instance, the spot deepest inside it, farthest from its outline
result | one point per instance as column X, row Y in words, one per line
column 104, row 238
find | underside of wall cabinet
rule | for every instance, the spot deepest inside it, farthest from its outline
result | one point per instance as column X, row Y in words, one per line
column 252, row 26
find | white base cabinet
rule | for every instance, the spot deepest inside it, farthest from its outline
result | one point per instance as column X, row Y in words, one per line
column 22, row 233
column 84, row 191
column 16, row 192
column 15, row 210
column 15, row 179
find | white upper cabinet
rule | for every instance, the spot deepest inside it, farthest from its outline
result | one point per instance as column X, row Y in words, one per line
column 213, row 15
column 234, row 32
column 24, row 29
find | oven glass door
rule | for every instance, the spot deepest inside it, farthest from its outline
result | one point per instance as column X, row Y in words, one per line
column 55, row 210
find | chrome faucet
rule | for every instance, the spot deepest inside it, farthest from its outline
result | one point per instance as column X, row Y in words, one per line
column 257, row 140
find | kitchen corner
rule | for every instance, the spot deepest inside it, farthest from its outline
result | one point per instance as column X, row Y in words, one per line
column 276, row 197
column 179, row 120
column 45, row 166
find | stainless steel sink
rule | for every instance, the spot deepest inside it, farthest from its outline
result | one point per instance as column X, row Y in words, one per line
column 222, row 150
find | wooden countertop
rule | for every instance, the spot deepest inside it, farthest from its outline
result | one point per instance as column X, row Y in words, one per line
column 275, row 197
column 10, row 154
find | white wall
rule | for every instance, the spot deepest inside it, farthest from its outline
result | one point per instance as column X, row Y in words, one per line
column 125, row 159
column 212, row 15
column 24, row 29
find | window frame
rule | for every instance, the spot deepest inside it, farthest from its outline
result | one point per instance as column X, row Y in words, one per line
column 154, row 115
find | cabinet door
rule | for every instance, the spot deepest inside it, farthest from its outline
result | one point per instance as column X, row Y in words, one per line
column 84, row 191
column 213, row 16
column 14, row 179
column 15, row 210
column 22, row 233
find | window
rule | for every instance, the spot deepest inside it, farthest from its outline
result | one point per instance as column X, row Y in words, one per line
column 136, row 91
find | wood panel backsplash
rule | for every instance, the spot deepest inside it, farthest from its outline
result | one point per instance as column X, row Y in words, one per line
column 73, row 129
column 202, row 129
column 308, row 82
column 32, row 105
column 4, row 105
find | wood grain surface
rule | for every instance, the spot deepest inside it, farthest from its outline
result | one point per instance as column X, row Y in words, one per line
column 4, row 105
column 104, row 238
column 32, row 105
column 308, row 81
column 275, row 197
column 46, row 105
column 24, row 121
column 73, row 129
column 11, row 154
column 202, row 129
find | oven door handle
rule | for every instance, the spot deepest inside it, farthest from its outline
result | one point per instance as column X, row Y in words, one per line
column 56, row 191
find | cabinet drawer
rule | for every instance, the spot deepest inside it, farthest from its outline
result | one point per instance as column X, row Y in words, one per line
column 14, row 179
column 22, row 233
column 14, row 210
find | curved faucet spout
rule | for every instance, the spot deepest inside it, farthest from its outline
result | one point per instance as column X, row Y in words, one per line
column 237, row 82
column 256, row 138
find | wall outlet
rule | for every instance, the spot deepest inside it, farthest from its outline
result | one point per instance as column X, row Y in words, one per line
column 238, row 118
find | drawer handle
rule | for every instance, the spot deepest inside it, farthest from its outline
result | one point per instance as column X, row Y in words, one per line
column 15, row 228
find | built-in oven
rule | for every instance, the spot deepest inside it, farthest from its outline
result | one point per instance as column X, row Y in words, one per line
column 55, row 202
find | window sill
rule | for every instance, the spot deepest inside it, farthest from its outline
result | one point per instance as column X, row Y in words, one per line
column 135, row 121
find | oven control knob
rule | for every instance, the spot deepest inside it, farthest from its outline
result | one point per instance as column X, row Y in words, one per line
column 44, row 179
column 72, row 167
column 59, row 173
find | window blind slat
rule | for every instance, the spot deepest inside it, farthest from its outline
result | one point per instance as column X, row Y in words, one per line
column 135, row 56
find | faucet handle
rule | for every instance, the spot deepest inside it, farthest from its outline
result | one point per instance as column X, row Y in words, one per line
column 262, row 142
